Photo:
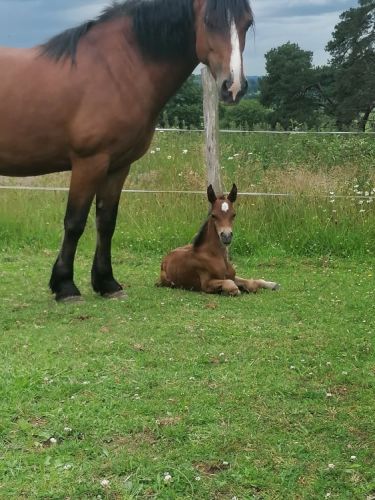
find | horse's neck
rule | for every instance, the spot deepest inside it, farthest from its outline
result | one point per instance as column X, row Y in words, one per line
column 212, row 241
column 151, row 82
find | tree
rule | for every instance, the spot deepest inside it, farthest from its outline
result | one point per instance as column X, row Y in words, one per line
column 353, row 60
column 185, row 109
column 245, row 115
column 289, row 74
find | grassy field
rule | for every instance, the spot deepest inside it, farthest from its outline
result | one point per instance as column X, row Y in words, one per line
column 175, row 395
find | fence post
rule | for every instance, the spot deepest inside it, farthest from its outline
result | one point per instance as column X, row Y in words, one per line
column 211, row 126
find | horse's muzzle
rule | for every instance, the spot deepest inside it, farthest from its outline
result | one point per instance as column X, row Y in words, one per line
column 226, row 94
column 226, row 238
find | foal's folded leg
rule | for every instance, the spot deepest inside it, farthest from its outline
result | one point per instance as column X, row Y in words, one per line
column 252, row 286
column 227, row 287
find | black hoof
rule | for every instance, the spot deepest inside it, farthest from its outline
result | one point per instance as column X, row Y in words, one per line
column 107, row 287
column 66, row 292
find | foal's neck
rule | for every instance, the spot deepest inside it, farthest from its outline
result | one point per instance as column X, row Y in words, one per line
column 212, row 241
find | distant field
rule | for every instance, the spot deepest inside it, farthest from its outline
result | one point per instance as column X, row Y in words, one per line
column 176, row 395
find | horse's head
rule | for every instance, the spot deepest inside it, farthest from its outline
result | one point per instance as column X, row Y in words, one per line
column 221, row 27
column 222, row 213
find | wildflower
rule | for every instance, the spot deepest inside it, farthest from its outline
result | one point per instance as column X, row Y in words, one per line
column 185, row 152
column 169, row 157
column 292, row 367
column 167, row 477
column 67, row 429
column 53, row 441
column 157, row 149
column 361, row 202
column 104, row 483
column 198, row 478
column 230, row 158
column 152, row 151
column 362, row 211
column 353, row 457
column 331, row 466
column 67, row 466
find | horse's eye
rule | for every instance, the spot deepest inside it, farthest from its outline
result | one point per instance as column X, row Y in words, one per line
column 234, row 216
column 213, row 216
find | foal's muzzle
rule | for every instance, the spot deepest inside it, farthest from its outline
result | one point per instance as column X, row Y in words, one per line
column 226, row 95
column 226, row 238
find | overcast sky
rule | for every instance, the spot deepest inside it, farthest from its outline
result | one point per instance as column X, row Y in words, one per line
column 24, row 23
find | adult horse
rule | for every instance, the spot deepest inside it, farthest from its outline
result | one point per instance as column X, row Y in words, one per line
column 88, row 101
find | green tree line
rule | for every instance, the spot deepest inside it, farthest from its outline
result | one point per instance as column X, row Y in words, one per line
column 295, row 94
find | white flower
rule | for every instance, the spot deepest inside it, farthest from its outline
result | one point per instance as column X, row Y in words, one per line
column 169, row 157
column 185, row 152
column 331, row 466
column 329, row 394
column 67, row 429
column 157, row 149
column 53, row 441
column 152, row 152
column 353, row 457
column 292, row 367
column 104, row 483
column 67, row 466
column 167, row 477
column 230, row 158
column 198, row 478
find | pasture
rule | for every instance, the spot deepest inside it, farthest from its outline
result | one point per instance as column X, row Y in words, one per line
column 171, row 394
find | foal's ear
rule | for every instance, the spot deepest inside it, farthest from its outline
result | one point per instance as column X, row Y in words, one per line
column 232, row 196
column 211, row 194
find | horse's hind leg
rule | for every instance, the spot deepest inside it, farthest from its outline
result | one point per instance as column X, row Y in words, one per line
column 252, row 286
column 86, row 175
column 107, row 201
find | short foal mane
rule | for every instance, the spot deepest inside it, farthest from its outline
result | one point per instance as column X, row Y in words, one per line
column 165, row 29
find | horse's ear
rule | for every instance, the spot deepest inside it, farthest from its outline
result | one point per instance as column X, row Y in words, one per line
column 232, row 196
column 211, row 194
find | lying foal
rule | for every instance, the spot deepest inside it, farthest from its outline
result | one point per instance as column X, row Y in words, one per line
column 204, row 265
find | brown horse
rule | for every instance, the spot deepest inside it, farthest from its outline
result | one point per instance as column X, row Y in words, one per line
column 204, row 265
column 88, row 101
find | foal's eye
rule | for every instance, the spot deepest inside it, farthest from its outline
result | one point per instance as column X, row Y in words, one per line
column 234, row 216
column 213, row 216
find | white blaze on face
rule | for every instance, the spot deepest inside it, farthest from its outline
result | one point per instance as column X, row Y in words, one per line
column 225, row 207
column 235, row 60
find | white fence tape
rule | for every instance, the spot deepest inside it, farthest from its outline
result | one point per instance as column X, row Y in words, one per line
column 268, row 132
column 155, row 191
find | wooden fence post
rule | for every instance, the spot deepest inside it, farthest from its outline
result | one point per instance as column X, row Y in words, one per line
column 211, row 126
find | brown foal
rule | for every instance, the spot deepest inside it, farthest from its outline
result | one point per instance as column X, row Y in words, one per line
column 204, row 265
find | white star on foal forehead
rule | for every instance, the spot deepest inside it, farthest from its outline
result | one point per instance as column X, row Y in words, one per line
column 224, row 207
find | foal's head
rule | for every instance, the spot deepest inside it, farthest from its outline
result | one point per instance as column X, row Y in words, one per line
column 221, row 27
column 222, row 213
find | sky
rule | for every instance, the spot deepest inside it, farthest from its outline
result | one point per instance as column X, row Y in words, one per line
column 310, row 23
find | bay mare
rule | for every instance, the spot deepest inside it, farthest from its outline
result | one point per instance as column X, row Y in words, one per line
column 88, row 101
column 204, row 266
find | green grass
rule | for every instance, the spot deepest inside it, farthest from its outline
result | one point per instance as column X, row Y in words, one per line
column 251, row 397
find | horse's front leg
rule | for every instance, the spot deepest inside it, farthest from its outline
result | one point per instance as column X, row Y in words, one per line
column 107, row 201
column 252, row 286
column 86, row 176
column 227, row 287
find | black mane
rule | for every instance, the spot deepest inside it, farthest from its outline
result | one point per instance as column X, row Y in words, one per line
column 164, row 28
column 200, row 236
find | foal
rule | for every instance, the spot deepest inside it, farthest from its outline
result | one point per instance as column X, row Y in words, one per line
column 204, row 265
